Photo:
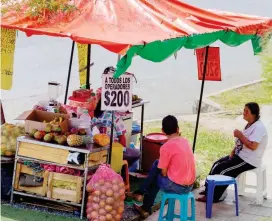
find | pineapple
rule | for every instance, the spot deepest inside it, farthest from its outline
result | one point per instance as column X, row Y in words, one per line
column 74, row 140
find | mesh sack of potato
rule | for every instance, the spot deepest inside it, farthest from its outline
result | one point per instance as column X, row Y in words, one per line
column 101, row 139
column 106, row 195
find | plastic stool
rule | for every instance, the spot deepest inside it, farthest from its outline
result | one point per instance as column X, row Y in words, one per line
column 183, row 199
column 219, row 180
column 261, row 189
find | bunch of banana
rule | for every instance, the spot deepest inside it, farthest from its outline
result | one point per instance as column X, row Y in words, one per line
column 135, row 97
column 56, row 121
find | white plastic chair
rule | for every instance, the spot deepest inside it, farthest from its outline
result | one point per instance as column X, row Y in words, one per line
column 261, row 187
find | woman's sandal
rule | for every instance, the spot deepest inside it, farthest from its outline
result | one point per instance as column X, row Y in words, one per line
column 202, row 199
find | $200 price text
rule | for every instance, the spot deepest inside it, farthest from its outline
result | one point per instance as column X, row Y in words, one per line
column 117, row 93
column 117, row 98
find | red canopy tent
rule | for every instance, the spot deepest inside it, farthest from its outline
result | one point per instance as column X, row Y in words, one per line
column 119, row 24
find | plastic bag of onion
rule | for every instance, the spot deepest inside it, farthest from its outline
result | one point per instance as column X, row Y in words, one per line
column 106, row 195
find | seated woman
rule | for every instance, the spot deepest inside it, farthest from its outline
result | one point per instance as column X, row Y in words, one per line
column 104, row 118
column 247, row 154
column 173, row 172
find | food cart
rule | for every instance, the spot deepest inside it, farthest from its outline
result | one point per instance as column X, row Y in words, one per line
column 52, row 154
column 175, row 25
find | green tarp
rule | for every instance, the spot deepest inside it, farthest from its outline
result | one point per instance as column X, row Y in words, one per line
column 158, row 51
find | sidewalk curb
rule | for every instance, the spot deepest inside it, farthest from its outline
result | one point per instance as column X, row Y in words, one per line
column 215, row 106
column 187, row 115
column 235, row 87
column 211, row 106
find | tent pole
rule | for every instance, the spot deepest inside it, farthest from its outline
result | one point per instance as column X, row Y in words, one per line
column 119, row 57
column 88, row 67
column 111, row 136
column 201, row 95
column 69, row 72
column 112, row 126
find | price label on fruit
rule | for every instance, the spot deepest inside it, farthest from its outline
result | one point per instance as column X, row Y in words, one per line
column 116, row 93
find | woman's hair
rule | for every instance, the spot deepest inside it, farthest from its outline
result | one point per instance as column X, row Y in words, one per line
column 254, row 109
column 109, row 70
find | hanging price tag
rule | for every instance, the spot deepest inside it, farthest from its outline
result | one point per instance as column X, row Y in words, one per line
column 213, row 68
column 116, row 93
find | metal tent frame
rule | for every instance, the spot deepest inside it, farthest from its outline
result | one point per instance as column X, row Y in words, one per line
column 88, row 87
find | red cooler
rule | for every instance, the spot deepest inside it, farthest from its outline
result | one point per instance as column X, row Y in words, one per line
column 151, row 149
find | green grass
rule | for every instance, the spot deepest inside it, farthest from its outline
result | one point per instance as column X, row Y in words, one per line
column 235, row 100
column 266, row 219
column 9, row 213
column 210, row 145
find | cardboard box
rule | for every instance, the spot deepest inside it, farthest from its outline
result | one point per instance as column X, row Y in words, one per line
column 34, row 120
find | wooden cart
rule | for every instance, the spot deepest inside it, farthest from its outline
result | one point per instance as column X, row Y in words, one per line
column 32, row 150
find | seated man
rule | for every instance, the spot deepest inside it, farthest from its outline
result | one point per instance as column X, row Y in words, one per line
column 174, row 171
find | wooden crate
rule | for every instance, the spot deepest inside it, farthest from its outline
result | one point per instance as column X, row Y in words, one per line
column 41, row 152
column 97, row 158
column 65, row 194
column 41, row 190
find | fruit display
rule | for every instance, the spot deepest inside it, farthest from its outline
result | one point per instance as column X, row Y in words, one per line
column 56, row 109
column 60, row 139
column 106, row 195
column 39, row 135
column 54, row 125
column 9, row 134
column 51, row 134
column 101, row 139
column 78, row 131
column 135, row 99
column 74, row 140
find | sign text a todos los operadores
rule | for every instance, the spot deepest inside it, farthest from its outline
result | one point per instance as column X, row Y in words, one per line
column 116, row 93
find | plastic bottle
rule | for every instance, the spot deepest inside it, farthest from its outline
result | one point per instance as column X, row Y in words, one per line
column 85, row 120
column 85, row 114
column 85, row 123
column 79, row 112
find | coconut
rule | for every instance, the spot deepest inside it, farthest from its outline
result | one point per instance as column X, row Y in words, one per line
column 4, row 139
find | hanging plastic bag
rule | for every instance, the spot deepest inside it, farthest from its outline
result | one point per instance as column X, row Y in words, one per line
column 106, row 195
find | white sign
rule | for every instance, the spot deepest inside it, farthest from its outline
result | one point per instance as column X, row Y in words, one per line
column 116, row 93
